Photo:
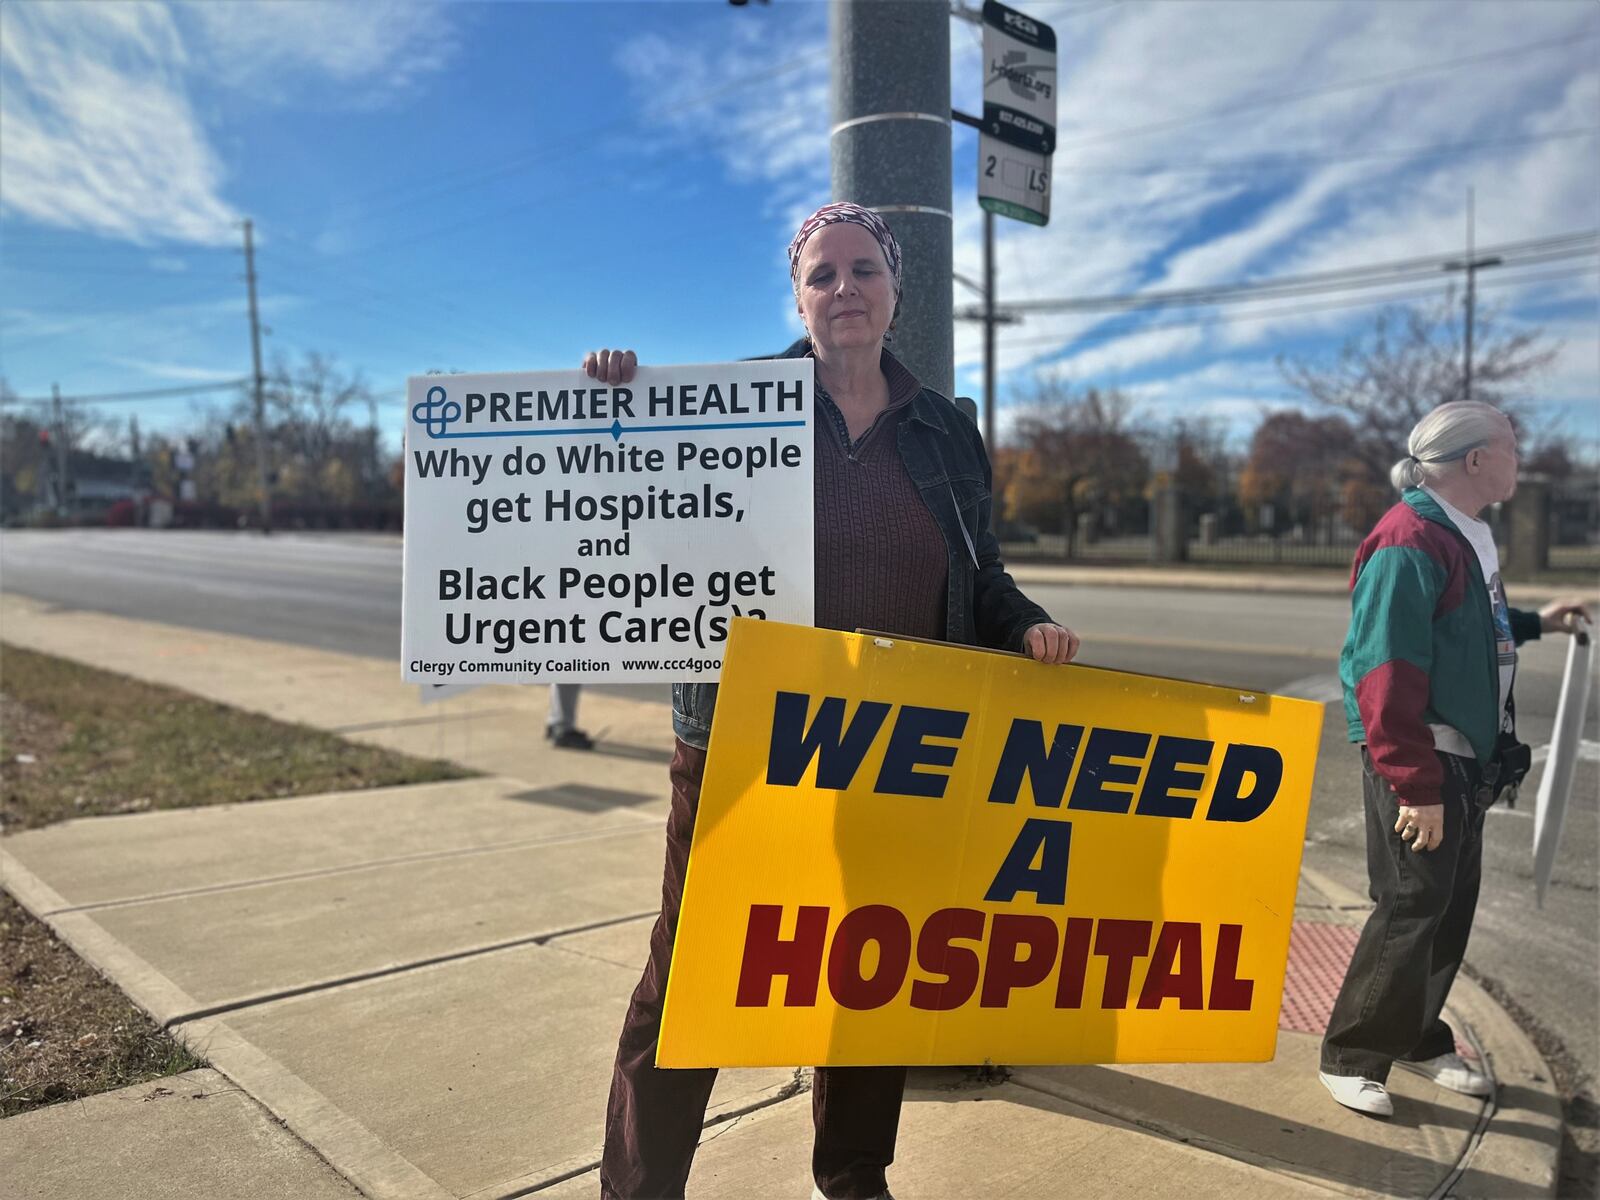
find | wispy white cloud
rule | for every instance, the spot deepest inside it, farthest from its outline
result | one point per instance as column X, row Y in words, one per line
column 102, row 133
column 368, row 49
column 111, row 331
column 1120, row 221
column 1297, row 90
column 1109, row 362
column 99, row 133
column 184, row 372
column 771, row 130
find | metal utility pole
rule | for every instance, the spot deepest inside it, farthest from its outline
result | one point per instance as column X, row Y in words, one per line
column 60, row 418
column 1471, row 266
column 987, row 313
column 891, row 152
column 988, row 331
column 258, row 382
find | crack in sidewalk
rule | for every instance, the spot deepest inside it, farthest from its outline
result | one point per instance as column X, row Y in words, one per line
column 722, row 1123
column 557, row 839
column 327, row 985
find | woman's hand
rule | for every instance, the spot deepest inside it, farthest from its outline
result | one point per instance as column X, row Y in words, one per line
column 1422, row 827
column 611, row 366
column 1049, row 643
column 1561, row 616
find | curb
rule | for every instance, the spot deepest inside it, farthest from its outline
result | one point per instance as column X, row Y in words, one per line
column 350, row 1148
column 1332, row 582
column 1064, row 574
column 1518, row 1141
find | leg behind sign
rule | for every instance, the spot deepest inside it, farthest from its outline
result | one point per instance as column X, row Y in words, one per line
column 653, row 1116
column 856, row 1113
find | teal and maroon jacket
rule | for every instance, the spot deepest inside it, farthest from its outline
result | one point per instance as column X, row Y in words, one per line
column 1421, row 647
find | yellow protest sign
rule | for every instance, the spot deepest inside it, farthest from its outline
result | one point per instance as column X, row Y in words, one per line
column 910, row 853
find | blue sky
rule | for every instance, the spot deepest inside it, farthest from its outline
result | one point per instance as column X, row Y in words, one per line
column 500, row 186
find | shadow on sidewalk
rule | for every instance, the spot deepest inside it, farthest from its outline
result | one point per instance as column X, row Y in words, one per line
column 1273, row 1140
column 582, row 797
column 650, row 754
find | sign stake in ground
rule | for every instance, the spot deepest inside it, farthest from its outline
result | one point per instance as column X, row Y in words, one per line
column 1555, row 788
column 1018, row 133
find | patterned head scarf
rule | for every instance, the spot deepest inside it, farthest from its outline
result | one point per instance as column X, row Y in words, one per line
column 831, row 214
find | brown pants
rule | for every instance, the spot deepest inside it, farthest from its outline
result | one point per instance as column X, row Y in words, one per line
column 654, row 1116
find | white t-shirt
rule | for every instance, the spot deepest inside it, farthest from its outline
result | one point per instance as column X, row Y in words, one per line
column 1481, row 537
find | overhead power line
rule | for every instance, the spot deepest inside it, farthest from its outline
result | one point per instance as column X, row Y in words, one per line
column 1527, row 253
column 197, row 389
column 97, row 322
column 1288, row 162
column 1284, row 312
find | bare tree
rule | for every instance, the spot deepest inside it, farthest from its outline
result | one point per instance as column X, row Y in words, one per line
column 312, row 406
column 321, row 441
column 1410, row 361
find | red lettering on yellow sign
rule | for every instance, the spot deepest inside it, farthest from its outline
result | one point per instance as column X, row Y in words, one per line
column 1019, row 951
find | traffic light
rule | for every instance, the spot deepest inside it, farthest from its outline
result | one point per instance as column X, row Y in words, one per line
column 44, row 439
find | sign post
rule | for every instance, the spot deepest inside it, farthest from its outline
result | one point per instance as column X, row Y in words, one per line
column 1018, row 132
column 1555, row 787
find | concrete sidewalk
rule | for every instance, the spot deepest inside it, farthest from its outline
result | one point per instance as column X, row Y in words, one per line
column 425, row 984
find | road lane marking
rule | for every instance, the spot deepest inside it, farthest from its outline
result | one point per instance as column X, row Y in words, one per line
column 1322, row 688
column 1090, row 640
column 1587, row 752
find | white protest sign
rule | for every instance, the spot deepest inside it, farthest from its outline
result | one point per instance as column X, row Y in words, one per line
column 558, row 530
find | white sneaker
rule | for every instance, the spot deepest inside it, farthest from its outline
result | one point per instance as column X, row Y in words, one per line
column 1363, row 1095
column 1451, row 1071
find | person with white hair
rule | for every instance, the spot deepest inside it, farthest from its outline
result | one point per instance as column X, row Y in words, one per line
column 1427, row 669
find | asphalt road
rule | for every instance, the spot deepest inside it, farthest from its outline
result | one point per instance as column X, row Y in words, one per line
column 342, row 592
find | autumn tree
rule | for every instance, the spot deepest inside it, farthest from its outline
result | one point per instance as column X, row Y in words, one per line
column 1202, row 459
column 1073, row 452
column 1304, row 466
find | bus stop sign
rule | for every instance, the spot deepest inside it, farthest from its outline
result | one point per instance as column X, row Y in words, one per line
column 1018, row 133
column 1019, row 79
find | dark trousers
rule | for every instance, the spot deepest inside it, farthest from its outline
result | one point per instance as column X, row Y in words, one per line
column 1414, row 940
column 654, row 1116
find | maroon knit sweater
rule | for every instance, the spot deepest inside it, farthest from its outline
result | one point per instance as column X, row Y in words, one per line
column 881, row 560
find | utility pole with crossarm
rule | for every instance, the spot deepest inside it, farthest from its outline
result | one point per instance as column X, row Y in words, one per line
column 1471, row 266
column 258, row 384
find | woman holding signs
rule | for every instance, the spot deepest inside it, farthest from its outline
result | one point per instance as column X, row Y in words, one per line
column 1427, row 669
column 903, row 546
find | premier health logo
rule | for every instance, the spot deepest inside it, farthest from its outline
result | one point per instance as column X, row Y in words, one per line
column 437, row 413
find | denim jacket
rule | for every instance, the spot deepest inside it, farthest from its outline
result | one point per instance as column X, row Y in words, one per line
column 943, row 453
